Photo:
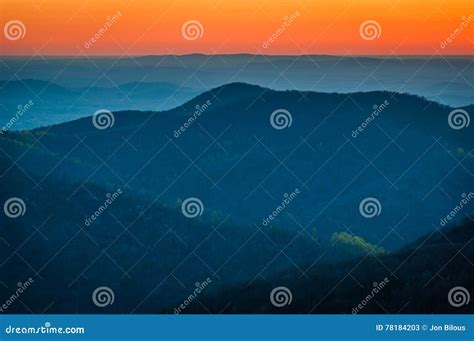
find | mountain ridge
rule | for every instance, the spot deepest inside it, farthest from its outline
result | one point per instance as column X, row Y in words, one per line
column 251, row 90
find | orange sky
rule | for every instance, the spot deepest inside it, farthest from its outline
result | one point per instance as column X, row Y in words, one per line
column 62, row 27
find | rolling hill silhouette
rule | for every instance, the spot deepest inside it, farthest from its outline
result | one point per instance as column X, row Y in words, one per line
column 242, row 168
column 237, row 163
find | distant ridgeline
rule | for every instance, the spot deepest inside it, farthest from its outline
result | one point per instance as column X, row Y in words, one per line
column 66, row 88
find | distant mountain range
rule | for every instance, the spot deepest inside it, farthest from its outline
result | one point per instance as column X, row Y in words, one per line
column 244, row 151
column 76, row 87
column 54, row 103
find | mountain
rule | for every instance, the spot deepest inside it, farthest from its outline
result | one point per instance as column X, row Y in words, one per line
column 414, row 280
column 273, row 201
column 149, row 254
column 421, row 75
column 408, row 158
column 43, row 103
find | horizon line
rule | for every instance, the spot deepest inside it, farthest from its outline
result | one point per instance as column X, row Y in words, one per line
column 236, row 54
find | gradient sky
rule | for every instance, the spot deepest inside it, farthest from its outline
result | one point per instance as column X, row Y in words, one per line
column 62, row 27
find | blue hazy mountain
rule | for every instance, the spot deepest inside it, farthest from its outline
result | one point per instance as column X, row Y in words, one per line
column 239, row 165
column 222, row 148
column 54, row 103
column 444, row 79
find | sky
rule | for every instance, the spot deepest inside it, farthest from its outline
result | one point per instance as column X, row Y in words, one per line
column 288, row 27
